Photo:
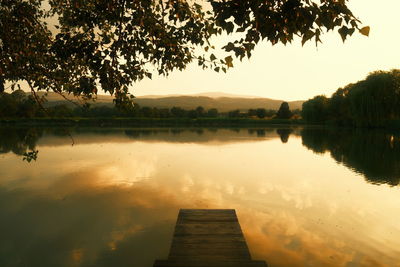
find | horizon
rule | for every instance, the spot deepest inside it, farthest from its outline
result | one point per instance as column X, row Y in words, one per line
column 214, row 94
column 210, row 94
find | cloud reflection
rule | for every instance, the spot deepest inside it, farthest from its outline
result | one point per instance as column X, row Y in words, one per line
column 115, row 204
column 78, row 222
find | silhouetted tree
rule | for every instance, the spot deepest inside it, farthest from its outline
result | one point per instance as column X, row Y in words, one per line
column 8, row 105
column 212, row 113
column 284, row 111
column 370, row 102
column 316, row 109
column 200, row 111
column 60, row 111
column 192, row 114
column 146, row 112
column 178, row 112
column 261, row 113
column 164, row 113
column 234, row 113
column 252, row 113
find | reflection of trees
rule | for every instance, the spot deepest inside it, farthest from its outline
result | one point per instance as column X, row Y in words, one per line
column 260, row 132
column 284, row 134
column 136, row 133
column 373, row 153
column 198, row 131
column 18, row 140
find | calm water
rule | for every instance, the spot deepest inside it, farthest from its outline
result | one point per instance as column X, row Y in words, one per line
column 304, row 197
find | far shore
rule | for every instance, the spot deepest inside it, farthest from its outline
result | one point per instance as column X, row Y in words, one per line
column 149, row 122
column 178, row 122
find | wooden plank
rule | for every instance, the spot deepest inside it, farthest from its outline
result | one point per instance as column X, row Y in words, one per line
column 207, row 244
column 172, row 263
column 206, row 216
column 215, row 228
column 208, row 238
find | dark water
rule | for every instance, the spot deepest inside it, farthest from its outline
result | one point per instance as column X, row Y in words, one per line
column 304, row 197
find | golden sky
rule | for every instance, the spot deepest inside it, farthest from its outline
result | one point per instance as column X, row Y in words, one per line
column 294, row 72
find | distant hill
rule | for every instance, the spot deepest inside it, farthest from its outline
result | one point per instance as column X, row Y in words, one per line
column 206, row 94
column 221, row 101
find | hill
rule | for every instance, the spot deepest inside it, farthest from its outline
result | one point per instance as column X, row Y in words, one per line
column 206, row 94
column 223, row 104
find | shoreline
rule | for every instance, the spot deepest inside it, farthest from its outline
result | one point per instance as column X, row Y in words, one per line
column 149, row 122
column 122, row 122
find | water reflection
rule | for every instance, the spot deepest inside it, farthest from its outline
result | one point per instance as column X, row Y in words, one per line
column 19, row 140
column 375, row 154
column 372, row 153
column 74, row 222
column 112, row 199
column 284, row 134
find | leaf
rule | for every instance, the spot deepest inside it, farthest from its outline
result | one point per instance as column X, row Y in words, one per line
column 307, row 36
column 213, row 57
column 229, row 47
column 31, row 155
column 229, row 27
column 228, row 61
column 365, row 30
column 344, row 31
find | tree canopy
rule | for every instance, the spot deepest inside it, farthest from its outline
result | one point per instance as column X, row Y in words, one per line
column 374, row 101
column 82, row 46
column 284, row 111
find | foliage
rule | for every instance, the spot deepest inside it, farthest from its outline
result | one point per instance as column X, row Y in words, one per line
column 234, row 113
column 284, row 111
column 30, row 155
column 108, row 45
column 178, row 112
column 212, row 113
column 22, row 105
column 316, row 109
column 18, row 104
column 370, row 102
column 261, row 113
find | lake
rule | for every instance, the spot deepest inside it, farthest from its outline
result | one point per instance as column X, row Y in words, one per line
column 110, row 197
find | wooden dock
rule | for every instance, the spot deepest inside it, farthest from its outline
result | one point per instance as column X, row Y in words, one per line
column 208, row 238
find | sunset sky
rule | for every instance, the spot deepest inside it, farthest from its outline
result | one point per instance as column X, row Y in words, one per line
column 294, row 72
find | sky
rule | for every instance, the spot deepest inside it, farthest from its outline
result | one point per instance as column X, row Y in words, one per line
column 294, row 72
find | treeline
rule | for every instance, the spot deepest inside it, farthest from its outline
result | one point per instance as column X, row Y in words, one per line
column 18, row 104
column 372, row 102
